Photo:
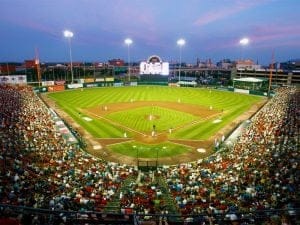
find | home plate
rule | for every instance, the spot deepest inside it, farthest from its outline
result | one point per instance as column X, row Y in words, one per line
column 217, row 121
column 201, row 150
column 87, row 119
column 96, row 147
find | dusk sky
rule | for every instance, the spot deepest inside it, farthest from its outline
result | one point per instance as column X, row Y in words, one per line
column 211, row 28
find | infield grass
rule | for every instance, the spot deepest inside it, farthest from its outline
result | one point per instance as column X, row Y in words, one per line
column 138, row 150
column 143, row 119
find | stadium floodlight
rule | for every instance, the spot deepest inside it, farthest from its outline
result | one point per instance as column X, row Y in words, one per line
column 180, row 43
column 244, row 41
column 128, row 42
column 69, row 34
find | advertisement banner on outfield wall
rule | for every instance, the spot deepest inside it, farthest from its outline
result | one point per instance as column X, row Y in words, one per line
column 56, row 88
column 91, row 85
column 48, row 83
column 118, row 84
column 59, row 82
column 133, row 84
column 100, row 79
column 40, row 89
column 88, row 80
column 173, row 84
column 241, row 91
column 73, row 86
column 105, row 84
column 79, row 81
column 109, row 79
column 13, row 79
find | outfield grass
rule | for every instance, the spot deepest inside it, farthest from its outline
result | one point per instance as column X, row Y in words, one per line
column 231, row 104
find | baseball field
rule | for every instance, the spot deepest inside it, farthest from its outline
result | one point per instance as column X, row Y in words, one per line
column 168, row 124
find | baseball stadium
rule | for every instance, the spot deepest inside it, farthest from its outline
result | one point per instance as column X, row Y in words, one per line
column 149, row 112
column 133, row 152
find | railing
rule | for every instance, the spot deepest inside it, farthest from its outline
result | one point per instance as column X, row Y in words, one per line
column 48, row 217
column 52, row 217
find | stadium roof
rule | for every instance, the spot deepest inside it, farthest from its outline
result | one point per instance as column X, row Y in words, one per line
column 250, row 79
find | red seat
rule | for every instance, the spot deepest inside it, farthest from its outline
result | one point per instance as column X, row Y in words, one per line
column 8, row 221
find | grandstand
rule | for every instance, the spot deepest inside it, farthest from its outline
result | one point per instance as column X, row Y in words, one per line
column 47, row 178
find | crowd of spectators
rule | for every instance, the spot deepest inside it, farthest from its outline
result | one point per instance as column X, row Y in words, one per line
column 260, row 172
column 40, row 169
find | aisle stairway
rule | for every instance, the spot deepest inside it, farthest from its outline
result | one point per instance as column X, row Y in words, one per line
column 170, row 203
column 114, row 204
column 160, row 183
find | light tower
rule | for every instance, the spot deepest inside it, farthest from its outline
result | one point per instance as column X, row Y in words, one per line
column 69, row 34
column 38, row 68
column 128, row 42
column 243, row 42
column 180, row 43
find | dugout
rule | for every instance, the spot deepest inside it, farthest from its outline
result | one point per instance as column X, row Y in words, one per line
column 251, row 84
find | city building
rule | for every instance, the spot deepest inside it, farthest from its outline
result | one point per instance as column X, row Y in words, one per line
column 116, row 62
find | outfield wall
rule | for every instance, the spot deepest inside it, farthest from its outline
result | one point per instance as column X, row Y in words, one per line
column 61, row 86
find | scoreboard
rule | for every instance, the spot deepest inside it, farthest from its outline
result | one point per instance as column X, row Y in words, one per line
column 154, row 65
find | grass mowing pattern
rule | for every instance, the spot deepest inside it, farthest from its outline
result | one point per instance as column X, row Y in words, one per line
column 138, row 118
column 233, row 105
column 96, row 127
column 207, row 128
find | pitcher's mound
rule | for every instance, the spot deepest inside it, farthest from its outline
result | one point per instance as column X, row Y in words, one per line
column 151, row 117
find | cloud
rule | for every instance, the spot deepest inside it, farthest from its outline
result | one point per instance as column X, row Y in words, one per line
column 34, row 25
column 262, row 36
column 275, row 33
column 224, row 12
